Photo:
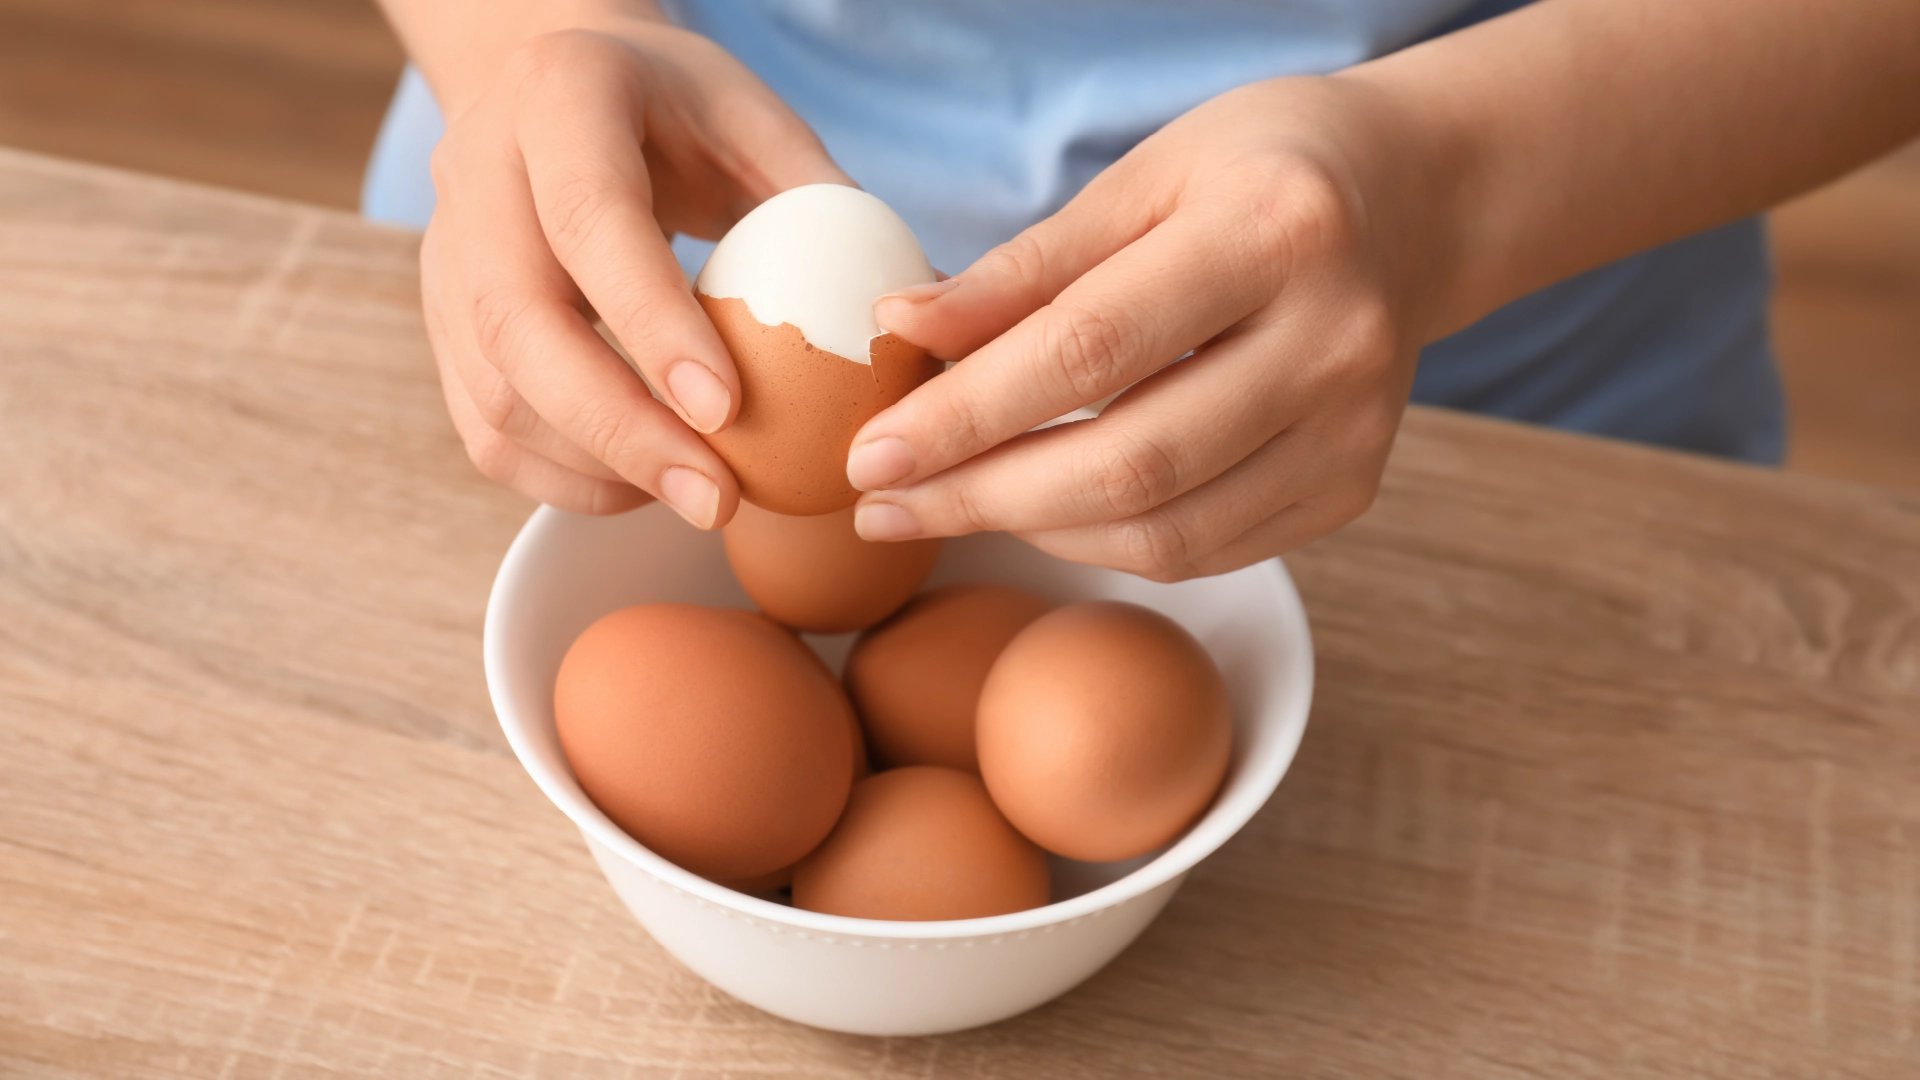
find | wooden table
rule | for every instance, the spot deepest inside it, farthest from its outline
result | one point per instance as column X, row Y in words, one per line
column 1614, row 768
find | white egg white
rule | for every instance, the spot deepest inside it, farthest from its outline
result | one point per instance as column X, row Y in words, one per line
column 817, row 257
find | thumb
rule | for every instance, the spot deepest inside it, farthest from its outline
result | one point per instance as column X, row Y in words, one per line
column 952, row 318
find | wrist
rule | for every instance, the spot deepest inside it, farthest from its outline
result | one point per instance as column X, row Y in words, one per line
column 1399, row 182
column 461, row 55
column 1414, row 174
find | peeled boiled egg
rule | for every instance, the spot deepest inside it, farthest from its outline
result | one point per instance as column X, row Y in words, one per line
column 922, row 843
column 915, row 680
column 815, row 573
column 1103, row 730
column 790, row 288
column 712, row 736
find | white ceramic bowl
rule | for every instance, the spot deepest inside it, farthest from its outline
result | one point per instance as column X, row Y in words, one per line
column 862, row 975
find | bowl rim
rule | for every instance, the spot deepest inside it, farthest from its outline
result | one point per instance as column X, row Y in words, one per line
column 1174, row 861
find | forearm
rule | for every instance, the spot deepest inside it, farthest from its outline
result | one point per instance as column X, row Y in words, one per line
column 459, row 44
column 1576, row 132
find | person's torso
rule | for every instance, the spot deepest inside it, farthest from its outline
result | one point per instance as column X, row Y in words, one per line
column 975, row 119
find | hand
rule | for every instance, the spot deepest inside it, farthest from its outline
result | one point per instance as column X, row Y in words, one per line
column 559, row 189
column 1252, row 232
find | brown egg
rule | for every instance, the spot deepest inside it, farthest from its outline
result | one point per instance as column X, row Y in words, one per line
column 1104, row 730
column 816, row 574
column 922, row 843
column 765, row 883
column 783, row 877
column 915, row 680
column 800, row 407
column 712, row 736
column 862, row 766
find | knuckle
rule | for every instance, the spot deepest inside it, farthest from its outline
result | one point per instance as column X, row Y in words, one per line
column 500, row 323
column 1363, row 356
column 967, row 507
column 577, row 206
column 627, row 302
column 968, row 427
column 1290, row 206
column 1374, row 427
column 607, row 432
column 1088, row 349
column 1152, row 547
column 1171, row 576
column 1307, row 193
column 502, row 408
column 443, row 164
column 606, row 497
column 1022, row 260
column 1370, row 333
column 492, row 454
column 1132, row 475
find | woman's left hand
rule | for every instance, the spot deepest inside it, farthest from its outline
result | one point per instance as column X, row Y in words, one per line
column 1255, row 232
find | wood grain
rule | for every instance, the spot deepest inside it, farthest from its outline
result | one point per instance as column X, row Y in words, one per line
column 279, row 96
column 1612, row 770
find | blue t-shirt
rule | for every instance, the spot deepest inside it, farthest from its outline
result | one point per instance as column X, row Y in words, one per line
column 976, row 119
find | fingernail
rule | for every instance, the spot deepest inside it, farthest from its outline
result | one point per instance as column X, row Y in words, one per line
column 691, row 495
column 920, row 294
column 876, row 464
column 885, row 521
column 900, row 302
column 701, row 394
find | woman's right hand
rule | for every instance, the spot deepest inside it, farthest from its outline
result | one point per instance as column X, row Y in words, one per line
column 559, row 188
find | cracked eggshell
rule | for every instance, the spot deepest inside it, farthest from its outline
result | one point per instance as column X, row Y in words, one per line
column 791, row 290
column 817, row 257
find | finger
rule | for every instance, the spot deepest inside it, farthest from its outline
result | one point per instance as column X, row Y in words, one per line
column 502, row 408
column 1185, row 281
column 768, row 149
column 589, row 180
column 506, row 462
column 1290, row 530
column 527, row 325
column 1189, row 527
column 1212, row 528
column 1170, row 433
column 952, row 318
column 596, row 401
column 494, row 400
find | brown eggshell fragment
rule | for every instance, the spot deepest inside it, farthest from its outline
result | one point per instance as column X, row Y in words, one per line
column 922, row 843
column 800, row 407
column 915, row 680
column 816, row 574
column 1104, row 730
column 712, row 736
